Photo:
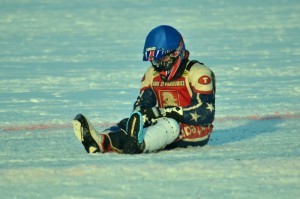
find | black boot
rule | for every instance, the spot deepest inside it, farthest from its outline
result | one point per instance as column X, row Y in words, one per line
column 87, row 135
column 135, row 137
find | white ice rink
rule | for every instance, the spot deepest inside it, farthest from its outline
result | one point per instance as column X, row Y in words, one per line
column 59, row 58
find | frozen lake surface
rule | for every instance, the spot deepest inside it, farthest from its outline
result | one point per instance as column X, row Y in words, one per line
column 60, row 58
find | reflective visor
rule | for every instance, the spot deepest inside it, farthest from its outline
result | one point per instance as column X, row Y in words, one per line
column 150, row 55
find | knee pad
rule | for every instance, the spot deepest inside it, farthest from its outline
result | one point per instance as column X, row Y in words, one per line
column 158, row 136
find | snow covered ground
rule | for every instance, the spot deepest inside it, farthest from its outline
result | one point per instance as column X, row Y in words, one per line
column 59, row 58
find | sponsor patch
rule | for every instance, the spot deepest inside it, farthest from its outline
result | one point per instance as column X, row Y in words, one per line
column 195, row 133
column 204, row 80
column 169, row 98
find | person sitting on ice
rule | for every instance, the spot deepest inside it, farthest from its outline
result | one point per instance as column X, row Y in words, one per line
column 175, row 107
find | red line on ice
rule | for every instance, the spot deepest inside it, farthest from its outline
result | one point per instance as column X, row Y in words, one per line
column 33, row 127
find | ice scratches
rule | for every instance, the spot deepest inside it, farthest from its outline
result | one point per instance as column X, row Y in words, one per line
column 35, row 100
column 37, row 174
column 272, row 116
column 31, row 100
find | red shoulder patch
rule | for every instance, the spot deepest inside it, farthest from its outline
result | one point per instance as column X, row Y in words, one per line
column 204, row 80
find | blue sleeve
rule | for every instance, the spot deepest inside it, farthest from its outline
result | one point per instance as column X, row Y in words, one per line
column 202, row 108
column 146, row 99
column 201, row 111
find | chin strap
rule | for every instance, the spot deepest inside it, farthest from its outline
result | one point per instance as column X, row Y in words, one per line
column 174, row 73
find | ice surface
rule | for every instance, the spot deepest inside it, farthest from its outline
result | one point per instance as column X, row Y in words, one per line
column 59, row 58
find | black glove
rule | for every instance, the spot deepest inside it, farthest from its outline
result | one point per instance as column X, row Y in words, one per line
column 174, row 112
column 150, row 115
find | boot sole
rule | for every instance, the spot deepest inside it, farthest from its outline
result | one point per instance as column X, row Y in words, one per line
column 88, row 137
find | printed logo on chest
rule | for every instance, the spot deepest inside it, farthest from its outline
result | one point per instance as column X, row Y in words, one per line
column 170, row 84
column 169, row 98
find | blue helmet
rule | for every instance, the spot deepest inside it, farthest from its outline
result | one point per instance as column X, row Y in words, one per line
column 161, row 41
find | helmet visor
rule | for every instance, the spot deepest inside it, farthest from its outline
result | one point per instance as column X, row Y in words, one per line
column 150, row 55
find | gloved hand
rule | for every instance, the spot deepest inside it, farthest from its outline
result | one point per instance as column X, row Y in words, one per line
column 150, row 115
column 174, row 112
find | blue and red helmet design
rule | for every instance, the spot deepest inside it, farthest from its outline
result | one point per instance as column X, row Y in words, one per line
column 161, row 41
column 164, row 40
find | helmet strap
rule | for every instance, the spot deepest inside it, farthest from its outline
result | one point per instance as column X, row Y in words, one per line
column 181, row 68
